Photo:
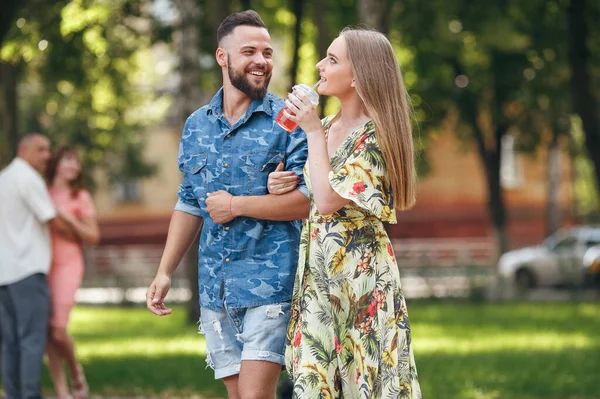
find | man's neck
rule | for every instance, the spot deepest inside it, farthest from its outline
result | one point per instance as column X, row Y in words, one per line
column 235, row 104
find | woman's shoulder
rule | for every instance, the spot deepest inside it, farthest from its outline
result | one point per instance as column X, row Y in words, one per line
column 365, row 133
column 368, row 128
column 83, row 195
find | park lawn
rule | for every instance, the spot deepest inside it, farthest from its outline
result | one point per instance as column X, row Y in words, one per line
column 463, row 351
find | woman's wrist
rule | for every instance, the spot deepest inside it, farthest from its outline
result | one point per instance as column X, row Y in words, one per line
column 315, row 131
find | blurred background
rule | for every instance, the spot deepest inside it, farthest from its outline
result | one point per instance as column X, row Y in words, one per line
column 500, row 257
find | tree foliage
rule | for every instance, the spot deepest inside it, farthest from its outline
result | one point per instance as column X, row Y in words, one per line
column 84, row 78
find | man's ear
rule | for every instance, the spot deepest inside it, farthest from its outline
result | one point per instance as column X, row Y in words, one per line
column 221, row 56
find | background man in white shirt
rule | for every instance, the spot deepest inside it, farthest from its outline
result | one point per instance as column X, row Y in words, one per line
column 26, row 211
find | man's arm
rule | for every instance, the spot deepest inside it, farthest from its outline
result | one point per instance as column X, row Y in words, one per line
column 59, row 226
column 85, row 230
column 291, row 206
column 85, row 226
column 183, row 228
column 224, row 207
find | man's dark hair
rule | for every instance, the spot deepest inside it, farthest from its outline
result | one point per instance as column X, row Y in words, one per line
column 249, row 17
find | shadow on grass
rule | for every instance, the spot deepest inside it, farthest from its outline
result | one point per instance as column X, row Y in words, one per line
column 165, row 376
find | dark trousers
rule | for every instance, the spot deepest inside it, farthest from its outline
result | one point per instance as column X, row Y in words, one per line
column 24, row 310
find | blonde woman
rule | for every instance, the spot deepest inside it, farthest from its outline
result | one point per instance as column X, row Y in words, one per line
column 349, row 334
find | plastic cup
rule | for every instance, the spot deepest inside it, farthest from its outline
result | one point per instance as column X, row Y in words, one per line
column 309, row 92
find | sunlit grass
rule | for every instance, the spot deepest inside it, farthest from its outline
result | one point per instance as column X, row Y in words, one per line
column 499, row 343
column 462, row 350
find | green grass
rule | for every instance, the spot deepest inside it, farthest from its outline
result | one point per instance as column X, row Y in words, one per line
column 507, row 351
column 130, row 352
column 463, row 351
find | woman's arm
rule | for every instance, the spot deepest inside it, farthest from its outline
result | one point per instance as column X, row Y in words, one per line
column 326, row 199
column 60, row 227
column 85, row 229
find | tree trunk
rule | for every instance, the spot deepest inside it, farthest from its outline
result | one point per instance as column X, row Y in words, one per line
column 297, row 9
column 490, row 160
column 491, row 163
column 8, row 74
column 496, row 197
column 8, row 13
column 553, row 215
column 189, row 54
column 322, row 42
column 375, row 14
column 190, row 99
column 220, row 9
column 581, row 82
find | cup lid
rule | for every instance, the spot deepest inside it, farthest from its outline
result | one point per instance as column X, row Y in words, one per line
column 309, row 92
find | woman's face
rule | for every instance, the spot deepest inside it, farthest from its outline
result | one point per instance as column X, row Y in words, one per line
column 68, row 167
column 335, row 70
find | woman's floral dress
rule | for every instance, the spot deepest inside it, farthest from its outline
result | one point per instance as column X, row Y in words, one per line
column 349, row 335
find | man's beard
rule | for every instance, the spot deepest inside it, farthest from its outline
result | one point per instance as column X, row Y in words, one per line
column 243, row 84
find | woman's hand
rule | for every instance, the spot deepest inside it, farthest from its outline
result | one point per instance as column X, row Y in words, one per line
column 304, row 113
column 281, row 182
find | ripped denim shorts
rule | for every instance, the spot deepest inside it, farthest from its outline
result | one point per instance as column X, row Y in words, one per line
column 234, row 335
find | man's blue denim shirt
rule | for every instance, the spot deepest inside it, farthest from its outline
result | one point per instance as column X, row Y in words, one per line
column 246, row 262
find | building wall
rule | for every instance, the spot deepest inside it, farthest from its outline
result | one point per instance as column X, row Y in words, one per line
column 144, row 220
column 158, row 193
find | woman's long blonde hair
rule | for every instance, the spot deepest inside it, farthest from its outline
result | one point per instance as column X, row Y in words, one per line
column 378, row 82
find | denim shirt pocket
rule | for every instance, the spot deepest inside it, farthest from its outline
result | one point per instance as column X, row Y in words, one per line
column 260, row 164
column 194, row 166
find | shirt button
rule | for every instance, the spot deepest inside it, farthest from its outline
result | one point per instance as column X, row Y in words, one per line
column 227, row 228
column 227, row 260
column 225, row 165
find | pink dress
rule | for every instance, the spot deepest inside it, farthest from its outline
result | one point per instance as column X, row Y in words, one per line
column 66, row 272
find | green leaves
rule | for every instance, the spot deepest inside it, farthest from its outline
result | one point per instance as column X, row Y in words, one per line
column 87, row 80
column 78, row 15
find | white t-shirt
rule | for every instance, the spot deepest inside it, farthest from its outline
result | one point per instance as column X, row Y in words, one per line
column 25, row 209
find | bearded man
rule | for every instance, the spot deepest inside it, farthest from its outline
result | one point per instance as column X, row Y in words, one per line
column 249, row 239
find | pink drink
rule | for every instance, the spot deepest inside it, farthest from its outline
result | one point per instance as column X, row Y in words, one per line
column 284, row 122
column 288, row 124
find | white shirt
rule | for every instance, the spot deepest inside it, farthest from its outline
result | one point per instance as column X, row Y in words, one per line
column 25, row 209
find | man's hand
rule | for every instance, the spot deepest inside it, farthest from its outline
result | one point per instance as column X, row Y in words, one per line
column 62, row 225
column 156, row 295
column 218, row 205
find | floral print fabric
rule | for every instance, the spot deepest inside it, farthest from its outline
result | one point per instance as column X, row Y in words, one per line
column 349, row 335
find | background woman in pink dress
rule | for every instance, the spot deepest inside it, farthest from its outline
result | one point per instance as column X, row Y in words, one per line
column 75, row 205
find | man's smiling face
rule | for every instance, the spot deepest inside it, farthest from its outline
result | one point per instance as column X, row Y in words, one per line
column 250, row 60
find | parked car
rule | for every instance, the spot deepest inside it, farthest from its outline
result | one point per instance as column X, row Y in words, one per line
column 591, row 264
column 558, row 261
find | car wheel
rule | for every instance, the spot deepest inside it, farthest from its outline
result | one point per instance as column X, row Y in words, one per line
column 524, row 280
